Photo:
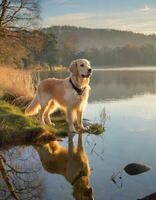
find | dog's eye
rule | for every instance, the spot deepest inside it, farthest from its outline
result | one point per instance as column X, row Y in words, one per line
column 82, row 65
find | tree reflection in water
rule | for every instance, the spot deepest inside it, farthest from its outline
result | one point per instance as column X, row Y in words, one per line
column 19, row 177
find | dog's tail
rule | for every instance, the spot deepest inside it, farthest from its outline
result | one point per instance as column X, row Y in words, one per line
column 33, row 108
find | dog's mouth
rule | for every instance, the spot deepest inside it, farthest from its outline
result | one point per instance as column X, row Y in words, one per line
column 86, row 76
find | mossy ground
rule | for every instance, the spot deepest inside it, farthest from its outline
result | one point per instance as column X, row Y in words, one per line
column 14, row 122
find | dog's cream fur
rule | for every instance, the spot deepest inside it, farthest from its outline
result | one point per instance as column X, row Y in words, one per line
column 71, row 162
column 53, row 93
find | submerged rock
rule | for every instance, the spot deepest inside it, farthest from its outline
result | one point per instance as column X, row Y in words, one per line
column 136, row 168
column 150, row 197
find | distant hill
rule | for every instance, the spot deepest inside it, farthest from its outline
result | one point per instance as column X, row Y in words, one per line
column 59, row 45
column 86, row 38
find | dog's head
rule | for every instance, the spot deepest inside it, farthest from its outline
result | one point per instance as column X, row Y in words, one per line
column 82, row 190
column 81, row 67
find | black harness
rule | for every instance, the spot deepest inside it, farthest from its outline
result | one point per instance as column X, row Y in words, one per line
column 78, row 90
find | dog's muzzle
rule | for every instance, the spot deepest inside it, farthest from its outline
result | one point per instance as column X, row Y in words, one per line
column 89, row 73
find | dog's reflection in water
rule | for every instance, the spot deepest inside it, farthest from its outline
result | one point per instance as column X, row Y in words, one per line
column 72, row 163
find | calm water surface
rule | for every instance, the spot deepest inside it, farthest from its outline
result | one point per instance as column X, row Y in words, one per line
column 129, row 100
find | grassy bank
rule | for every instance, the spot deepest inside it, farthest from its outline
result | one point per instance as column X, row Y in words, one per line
column 17, row 129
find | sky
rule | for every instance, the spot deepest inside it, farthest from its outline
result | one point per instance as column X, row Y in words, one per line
column 130, row 15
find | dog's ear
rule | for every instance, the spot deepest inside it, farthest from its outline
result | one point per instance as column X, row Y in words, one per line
column 73, row 68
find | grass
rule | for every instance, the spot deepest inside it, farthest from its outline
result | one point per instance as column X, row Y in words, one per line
column 17, row 129
column 96, row 129
column 14, row 119
column 18, row 105
column 13, row 124
column 16, row 81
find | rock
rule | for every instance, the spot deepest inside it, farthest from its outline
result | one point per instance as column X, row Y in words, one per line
column 136, row 168
column 150, row 197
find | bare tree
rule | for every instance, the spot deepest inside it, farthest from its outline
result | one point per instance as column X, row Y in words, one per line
column 17, row 14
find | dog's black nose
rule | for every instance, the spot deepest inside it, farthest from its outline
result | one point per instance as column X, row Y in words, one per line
column 89, row 70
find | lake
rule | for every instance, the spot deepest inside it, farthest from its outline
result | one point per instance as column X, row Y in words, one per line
column 128, row 98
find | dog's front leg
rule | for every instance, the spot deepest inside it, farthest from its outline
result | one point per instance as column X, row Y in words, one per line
column 70, row 120
column 80, row 120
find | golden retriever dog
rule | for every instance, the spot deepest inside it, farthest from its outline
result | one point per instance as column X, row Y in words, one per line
column 70, row 94
column 71, row 162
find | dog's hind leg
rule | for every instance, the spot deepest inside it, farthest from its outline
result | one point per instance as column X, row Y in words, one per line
column 44, row 101
column 41, row 115
column 49, row 110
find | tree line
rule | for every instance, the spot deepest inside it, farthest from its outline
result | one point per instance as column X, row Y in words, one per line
column 43, row 49
column 128, row 55
column 22, row 43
